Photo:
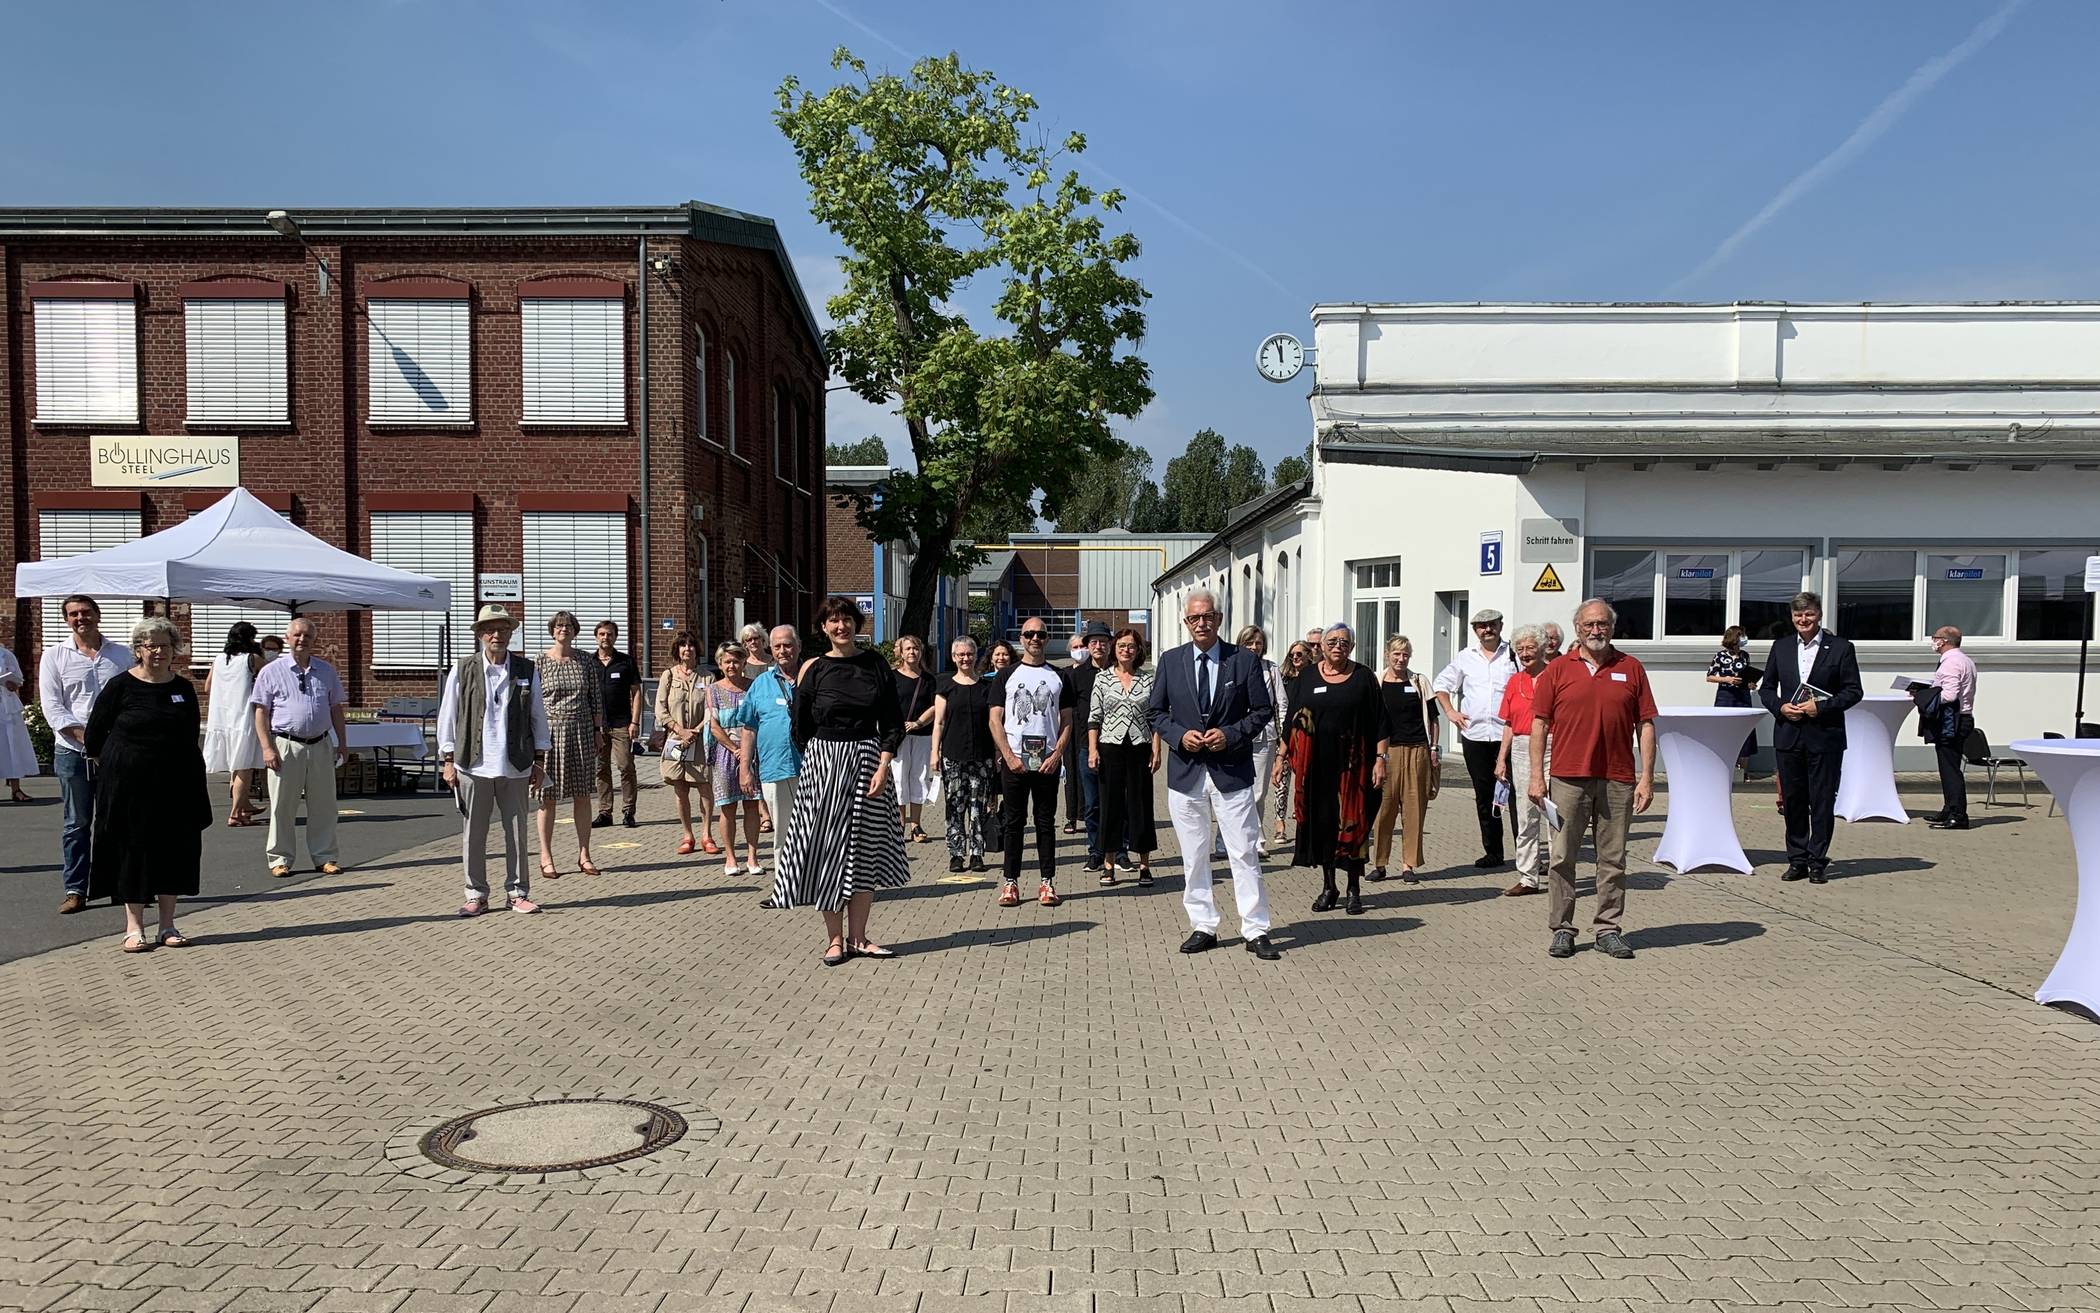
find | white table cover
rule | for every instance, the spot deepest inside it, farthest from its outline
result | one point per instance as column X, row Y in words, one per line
column 1867, row 789
column 367, row 735
column 2070, row 769
column 1699, row 746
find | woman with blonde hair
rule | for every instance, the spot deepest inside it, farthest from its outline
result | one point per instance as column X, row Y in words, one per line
column 151, row 803
column 916, row 694
column 1410, row 711
column 1295, row 660
column 1255, row 640
column 576, row 721
column 681, row 713
column 726, row 694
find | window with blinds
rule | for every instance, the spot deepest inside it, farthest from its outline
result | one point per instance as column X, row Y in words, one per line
column 575, row 361
column 209, row 621
column 441, row 545
column 61, row 534
column 236, row 356
column 574, row 562
column 421, row 362
column 87, row 361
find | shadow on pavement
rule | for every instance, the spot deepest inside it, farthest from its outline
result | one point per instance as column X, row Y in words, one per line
column 648, row 899
column 1332, row 927
column 274, row 894
column 207, row 940
column 998, row 937
column 1843, row 868
column 1710, row 934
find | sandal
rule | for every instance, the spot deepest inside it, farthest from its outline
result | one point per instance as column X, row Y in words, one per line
column 1108, row 876
column 1144, row 874
column 709, row 846
column 173, row 938
column 765, row 825
column 583, row 864
column 549, row 872
column 21, row 795
column 869, row 948
column 685, row 845
column 136, row 944
column 839, row 958
column 919, row 835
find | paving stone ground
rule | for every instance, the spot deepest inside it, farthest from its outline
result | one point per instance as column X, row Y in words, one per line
column 1795, row 1098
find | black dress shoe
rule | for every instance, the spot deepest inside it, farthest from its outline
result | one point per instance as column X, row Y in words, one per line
column 1375, row 874
column 1199, row 941
column 1355, row 906
column 977, row 862
column 955, row 863
column 1488, row 863
column 630, row 822
column 1934, row 818
column 1263, row 949
column 1951, row 823
column 601, row 820
column 1816, row 876
column 1795, row 872
column 1325, row 900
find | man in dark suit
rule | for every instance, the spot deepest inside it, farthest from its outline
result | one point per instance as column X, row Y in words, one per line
column 1210, row 701
column 1811, row 680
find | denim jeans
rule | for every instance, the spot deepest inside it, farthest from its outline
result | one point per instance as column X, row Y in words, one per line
column 1090, row 806
column 76, row 788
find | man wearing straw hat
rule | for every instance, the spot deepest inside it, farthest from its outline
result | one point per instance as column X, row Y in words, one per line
column 493, row 741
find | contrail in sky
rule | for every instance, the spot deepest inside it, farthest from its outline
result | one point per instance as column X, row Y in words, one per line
column 1869, row 131
column 1133, row 193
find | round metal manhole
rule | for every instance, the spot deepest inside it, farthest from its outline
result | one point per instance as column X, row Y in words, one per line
column 553, row 1135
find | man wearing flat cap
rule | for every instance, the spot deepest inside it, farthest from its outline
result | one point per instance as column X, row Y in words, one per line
column 1470, row 692
column 493, row 741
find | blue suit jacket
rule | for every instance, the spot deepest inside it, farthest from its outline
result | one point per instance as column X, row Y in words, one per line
column 1240, row 705
column 1836, row 673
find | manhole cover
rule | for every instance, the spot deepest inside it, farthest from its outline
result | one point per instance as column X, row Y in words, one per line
column 557, row 1135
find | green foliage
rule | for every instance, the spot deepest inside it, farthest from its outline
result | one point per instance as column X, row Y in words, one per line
column 1207, row 479
column 1108, row 498
column 868, row 451
column 40, row 735
column 932, row 180
column 1292, row 469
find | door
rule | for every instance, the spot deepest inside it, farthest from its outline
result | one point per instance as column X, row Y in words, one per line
column 1451, row 638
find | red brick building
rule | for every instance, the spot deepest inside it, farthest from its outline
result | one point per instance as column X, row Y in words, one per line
column 457, row 392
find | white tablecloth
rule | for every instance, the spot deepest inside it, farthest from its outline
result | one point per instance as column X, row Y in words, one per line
column 1699, row 746
column 1867, row 788
column 367, row 735
column 2071, row 770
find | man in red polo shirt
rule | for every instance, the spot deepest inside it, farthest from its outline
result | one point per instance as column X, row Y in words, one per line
column 1593, row 700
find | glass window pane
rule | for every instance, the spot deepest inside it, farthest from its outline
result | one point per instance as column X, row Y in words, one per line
column 1695, row 595
column 1363, row 576
column 1366, row 622
column 1874, row 595
column 1626, row 579
column 1392, row 626
column 2052, row 594
column 1770, row 580
column 1967, row 592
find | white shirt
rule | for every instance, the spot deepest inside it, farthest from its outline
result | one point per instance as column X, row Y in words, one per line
column 69, row 681
column 1476, row 680
column 1805, row 659
column 495, row 747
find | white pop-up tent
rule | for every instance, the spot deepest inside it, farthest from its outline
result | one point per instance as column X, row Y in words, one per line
column 240, row 552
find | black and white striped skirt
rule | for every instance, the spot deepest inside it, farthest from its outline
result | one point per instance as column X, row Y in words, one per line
column 839, row 841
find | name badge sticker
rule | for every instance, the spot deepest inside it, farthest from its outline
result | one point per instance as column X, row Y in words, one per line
column 524, row 684
column 1318, row 691
column 1616, row 675
column 175, row 697
column 780, row 702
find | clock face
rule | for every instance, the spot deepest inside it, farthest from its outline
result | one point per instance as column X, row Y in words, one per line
column 1280, row 358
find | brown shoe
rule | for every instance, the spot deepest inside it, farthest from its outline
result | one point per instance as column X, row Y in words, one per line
column 1519, row 889
column 70, row 904
column 281, row 872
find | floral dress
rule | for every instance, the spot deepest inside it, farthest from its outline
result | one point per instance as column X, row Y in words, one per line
column 729, row 776
column 574, row 713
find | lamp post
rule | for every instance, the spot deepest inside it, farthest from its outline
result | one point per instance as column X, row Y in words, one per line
column 285, row 224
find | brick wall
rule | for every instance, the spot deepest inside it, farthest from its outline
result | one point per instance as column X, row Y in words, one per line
column 330, row 460
column 850, row 551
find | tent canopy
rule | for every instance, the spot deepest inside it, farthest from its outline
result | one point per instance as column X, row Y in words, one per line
column 238, row 552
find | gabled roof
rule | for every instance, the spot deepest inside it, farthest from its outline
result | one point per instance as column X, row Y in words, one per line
column 1245, row 516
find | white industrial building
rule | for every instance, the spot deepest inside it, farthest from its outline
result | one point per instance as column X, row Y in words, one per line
column 1918, row 465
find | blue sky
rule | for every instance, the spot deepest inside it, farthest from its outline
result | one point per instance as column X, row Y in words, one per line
column 1278, row 155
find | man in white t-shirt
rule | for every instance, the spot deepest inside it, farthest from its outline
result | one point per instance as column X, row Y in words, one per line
column 1031, row 722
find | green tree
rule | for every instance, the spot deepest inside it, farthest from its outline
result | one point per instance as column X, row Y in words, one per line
column 868, row 451
column 1106, row 499
column 933, row 180
column 1208, row 479
column 1292, row 469
column 1148, row 512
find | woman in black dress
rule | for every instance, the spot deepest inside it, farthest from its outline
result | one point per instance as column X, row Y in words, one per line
column 963, row 759
column 151, row 803
column 842, row 843
column 1732, row 678
column 1335, row 743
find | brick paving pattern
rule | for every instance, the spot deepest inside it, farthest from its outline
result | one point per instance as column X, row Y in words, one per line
column 1795, row 1098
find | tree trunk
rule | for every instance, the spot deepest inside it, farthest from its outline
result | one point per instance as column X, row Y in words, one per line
column 922, row 592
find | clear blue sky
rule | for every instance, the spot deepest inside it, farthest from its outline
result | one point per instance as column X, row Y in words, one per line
column 1280, row 155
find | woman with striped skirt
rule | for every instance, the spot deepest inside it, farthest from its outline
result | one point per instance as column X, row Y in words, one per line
column 842, row 843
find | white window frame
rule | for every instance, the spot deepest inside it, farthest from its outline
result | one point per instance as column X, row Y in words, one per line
column 2013, row 594
column 557, row 568
column 1659, row 579
column 1920, row 625
column 76, row 533
column 87, row 359
column 700, row 385
column 237, row 370
column 436, row 334
column 1370, row 648
column 573, row 361
column 410, row 640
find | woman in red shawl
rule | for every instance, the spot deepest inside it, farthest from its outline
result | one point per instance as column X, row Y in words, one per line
column 1334, row 747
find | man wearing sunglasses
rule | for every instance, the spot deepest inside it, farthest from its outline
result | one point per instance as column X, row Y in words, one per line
column 299, row 701
column 1031, row 722
column 1470, row 692
column 1210, row 701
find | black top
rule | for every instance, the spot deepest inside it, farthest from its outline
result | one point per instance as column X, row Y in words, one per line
column 915, row 699
column 617, row 681
column 847, row 699
column 966, row 725
column 1403, row 714
column 151, row 803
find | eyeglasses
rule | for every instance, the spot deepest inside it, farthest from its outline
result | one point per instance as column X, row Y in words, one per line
column 1200, row 618
column 301, row 672
column 1033, row 635
column 1593, row 624
column 152, row 646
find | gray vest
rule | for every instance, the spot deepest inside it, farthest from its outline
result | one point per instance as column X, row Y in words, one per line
column 473, row 699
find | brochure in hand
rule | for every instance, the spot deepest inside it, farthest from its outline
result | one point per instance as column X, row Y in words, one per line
column 1810, row 693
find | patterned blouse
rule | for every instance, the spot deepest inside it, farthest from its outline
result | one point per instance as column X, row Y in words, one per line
column 1122, row 715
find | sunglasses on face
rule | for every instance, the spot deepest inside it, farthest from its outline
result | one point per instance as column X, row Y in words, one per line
column 1033, row 635
column 1205, row 619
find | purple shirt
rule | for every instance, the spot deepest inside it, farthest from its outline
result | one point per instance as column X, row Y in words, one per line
column 1956, row 679
column 299, row 712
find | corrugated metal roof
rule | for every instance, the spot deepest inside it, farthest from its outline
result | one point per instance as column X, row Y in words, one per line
column 1256, row 511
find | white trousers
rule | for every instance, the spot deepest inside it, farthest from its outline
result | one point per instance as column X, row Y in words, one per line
column 779, row 797
column 1529, row 816
column 306, row 771
column 911, row 769
column 1239, row 825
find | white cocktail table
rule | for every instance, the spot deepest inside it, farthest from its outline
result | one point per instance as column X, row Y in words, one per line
column 1867, row 787
column 2070, row 769
column 1699, row 749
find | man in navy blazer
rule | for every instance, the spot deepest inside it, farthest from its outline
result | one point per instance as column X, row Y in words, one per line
column 1808, row 734
column 1210, row 701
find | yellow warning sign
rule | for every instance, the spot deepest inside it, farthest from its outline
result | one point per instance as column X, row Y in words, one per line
column 1549, row 582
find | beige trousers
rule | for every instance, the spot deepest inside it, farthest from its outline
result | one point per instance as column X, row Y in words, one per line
column 1410, row 782
column 1609, row 805
column 305, row 771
